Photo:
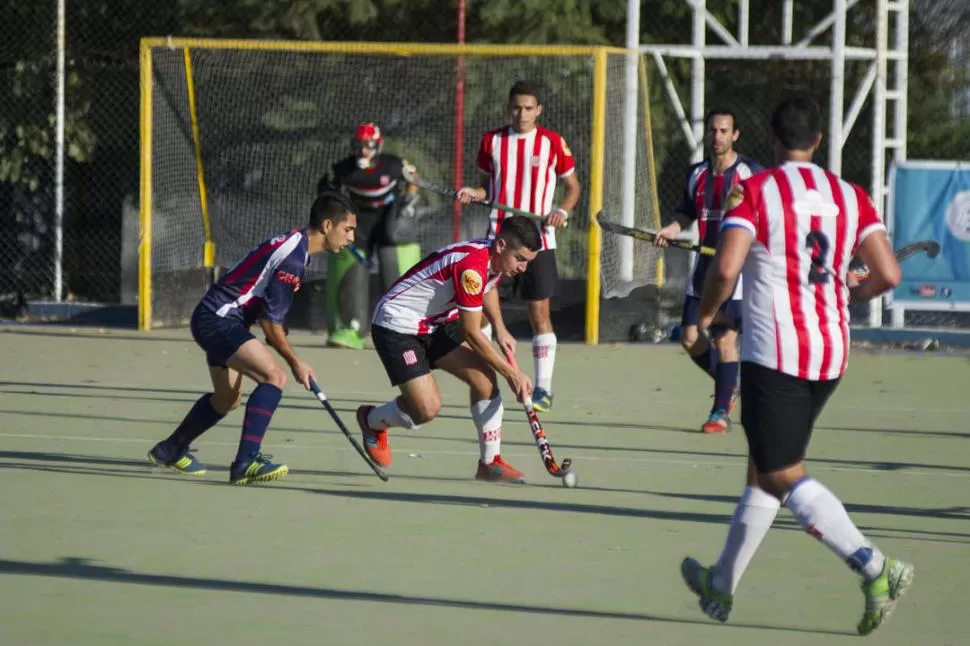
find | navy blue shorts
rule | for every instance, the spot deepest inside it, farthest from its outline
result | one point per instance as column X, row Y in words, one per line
column 731, row 310
column 219, row 337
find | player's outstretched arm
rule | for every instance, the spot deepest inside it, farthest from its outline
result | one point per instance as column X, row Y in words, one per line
column 471, row 325
column 884, row 272
column 276, row 339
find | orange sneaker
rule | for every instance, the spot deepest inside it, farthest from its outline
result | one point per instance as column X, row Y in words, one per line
column 498, row 470
column 718, row 422
column 375, row 441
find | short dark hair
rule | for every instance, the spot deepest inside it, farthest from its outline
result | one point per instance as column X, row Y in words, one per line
column 797, row 122
column 332, row 206
column 526, row 88
column 519, row 231
column 724, row 112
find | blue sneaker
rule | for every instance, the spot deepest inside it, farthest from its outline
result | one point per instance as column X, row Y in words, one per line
column 180, row 460
column 258, row 469
column 541, row 400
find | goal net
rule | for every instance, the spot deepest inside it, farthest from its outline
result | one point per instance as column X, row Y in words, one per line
column 237, row 134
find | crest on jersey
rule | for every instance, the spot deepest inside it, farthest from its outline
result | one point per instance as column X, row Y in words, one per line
column 385, row 180
column 813, row 203
column 471, row 282
column 735, row 197
column 565, row 147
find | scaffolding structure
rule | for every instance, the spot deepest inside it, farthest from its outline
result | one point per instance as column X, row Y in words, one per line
column 885, row 80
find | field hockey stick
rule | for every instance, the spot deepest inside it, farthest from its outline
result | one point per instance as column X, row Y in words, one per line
column 326, row 404
column 539, row 435
column 650, row 236
column 930, row 247
column 450, row 192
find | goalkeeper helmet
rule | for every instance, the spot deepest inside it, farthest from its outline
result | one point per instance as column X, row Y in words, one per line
column 367, row 137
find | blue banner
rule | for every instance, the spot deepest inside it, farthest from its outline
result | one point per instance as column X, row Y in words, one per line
column 931, row 201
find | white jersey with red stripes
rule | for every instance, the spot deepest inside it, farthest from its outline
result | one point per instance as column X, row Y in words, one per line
column 522, row 171
column 431, row 293
column 807, row 224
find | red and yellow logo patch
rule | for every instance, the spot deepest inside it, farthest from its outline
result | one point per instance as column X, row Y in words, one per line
column 471, row 281
column 565, row 147
column 735, row 198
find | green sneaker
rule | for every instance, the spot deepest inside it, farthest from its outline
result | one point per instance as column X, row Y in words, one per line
column 882, row 593
column 179, row 459
column 714, row 604
column 542, row 400
column 345, row 338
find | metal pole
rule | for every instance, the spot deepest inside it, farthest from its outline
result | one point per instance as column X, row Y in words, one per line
column 879, row 131
column 59, row 153
column 699, row 37
column 697, row 79
column 630, row 139
column 744, row 12
column 459, row 122
column 787, row 11
column 837, row 88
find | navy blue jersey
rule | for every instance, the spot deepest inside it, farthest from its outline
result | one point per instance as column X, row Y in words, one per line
column 705, row 195
column 262, row 284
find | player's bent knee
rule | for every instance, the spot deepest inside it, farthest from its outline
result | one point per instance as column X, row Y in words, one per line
column 276, row 377
column 425, row 411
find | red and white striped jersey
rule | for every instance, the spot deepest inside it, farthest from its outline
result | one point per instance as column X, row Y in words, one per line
column 431, row 293
column 807, row 224
column 522, row 171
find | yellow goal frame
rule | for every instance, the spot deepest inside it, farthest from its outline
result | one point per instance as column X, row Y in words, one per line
column 599, row 56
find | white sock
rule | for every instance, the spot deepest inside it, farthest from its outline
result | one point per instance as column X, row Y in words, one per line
column 752, row 519
column 544, row 353
column 487, row 415
column 487, row 331
column 823, row 516
column 390, row 415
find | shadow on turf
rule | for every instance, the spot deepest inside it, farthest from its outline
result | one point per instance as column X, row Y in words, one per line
column 152, row 394
column 560, row 447
column 85, row 569
column 129, row 468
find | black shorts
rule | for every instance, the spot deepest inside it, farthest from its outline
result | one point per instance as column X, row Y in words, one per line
column 218, row 336
column 730, row 310
column 778, row 412
column 408, row 356
column 538, row 282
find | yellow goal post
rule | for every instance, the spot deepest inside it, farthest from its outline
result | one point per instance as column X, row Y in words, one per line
column 236, row 133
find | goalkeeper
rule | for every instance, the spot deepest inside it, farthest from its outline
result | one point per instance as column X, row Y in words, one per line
column 385, row 229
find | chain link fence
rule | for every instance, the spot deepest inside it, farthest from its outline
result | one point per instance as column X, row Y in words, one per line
column 100, row 149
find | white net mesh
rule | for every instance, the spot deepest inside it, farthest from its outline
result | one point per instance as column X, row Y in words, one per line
column 272, row 122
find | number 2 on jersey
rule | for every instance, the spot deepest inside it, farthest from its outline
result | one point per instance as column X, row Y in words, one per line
column 819, row 245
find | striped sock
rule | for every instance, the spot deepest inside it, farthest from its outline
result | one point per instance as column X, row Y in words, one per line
column 725, row 381
column 199, row 419
column 259, row 411
column 706, row 361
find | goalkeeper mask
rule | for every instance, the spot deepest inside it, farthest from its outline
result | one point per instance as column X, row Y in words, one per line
column 367, row 144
